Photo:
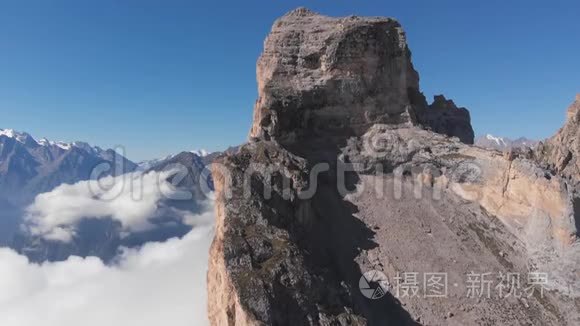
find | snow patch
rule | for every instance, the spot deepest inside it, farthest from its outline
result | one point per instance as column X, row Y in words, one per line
column 65, row 146
column 21, row 137
column 200, row 152
column 498, row 140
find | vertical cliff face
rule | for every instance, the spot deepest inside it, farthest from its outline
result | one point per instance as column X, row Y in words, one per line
column 350, row 171
column 263, row 267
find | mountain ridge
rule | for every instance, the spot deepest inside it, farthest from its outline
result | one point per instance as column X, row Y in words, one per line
column 504, row 143
column 29, row 167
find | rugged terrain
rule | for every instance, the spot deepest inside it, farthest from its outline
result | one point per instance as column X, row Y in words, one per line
column 29, row 167
column 350, row 170
column 562, row 152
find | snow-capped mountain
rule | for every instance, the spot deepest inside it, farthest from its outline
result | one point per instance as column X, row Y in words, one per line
column 206, row 156
column 503, row 143
column 26, row 139
column 21, row 137
column 29, row 167
column 200, row 152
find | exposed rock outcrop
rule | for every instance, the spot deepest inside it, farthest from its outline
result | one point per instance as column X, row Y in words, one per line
column 335, row 77
column 562, row 152
column 342, row 178
column 444, row 117
column 260, row 271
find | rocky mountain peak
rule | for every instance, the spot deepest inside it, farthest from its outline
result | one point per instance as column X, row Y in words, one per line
column 322, row 77
column 332, row 77
column 444, row 117
column 28, row 166
column 490, row 141
column 21, row 137
column 440, row 102
column 293, row 246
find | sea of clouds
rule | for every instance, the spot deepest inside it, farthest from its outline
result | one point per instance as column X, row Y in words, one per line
column 162, row 283
column 132, row 199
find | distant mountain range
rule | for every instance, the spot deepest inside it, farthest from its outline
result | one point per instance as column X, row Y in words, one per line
column 148, row 164
column 29, row 167
column 205, row 156
column 503, row 143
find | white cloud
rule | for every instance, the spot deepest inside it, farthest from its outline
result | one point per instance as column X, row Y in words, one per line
column 131, row 199
column 158, row 284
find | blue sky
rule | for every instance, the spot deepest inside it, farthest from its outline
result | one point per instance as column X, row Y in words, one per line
column 159, row 77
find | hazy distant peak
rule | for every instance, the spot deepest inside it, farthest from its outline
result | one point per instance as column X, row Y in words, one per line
column 200, row 152
column 503, row 143
column 500, row 141
column 27, row 139
column 29, row 167
column 21, row 137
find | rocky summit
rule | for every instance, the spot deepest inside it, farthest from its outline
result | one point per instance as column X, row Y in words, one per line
column 335, row 77
column 358, row 203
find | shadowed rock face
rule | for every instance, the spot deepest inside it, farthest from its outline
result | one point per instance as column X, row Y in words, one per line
column 28, row 167
column 444, row 117
column 339, row 110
